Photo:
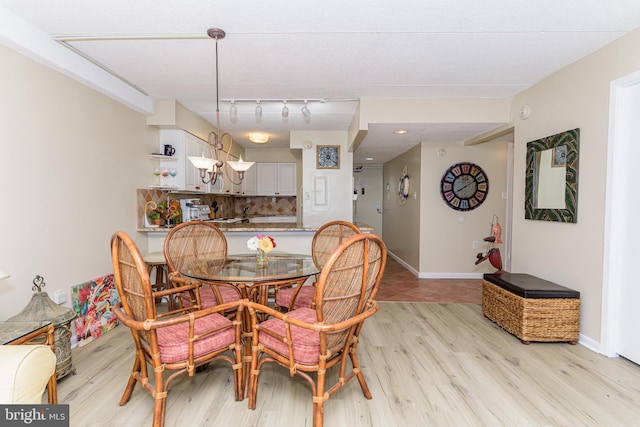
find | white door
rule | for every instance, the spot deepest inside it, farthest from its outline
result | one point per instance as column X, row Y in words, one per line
column 621, row 317
column 368, row 204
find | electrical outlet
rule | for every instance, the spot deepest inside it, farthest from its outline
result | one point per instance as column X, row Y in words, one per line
column 59, row 296
column 475, row 244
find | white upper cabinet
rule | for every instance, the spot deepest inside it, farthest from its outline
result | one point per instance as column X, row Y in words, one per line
column 286, row 179
column 276, row 179
column 250, row 181
column 194, row 147
column 267, row 178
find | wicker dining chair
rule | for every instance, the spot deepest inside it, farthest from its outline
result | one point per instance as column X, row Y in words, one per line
column 309, row 341
column 194, row 240
column 180, row 341
column 325, row 240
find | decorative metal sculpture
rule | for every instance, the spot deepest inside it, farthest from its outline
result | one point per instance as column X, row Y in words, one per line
column 492, row 253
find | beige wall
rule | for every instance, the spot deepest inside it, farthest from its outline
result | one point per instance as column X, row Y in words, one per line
column 70, row 163
column 339, row 182
column 575, row 97
column 401, row 223
column 435, row 240
column 447, row 235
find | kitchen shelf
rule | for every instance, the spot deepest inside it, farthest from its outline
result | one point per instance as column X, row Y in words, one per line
column 163, row 157
column 164, row 187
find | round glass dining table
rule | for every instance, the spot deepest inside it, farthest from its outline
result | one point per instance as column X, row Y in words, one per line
column 257, row 283
column 243, row 270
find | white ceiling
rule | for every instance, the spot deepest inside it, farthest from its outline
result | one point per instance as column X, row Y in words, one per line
column 333, row 49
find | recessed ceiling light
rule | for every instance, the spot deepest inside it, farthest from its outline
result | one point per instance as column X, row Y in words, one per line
column 258, row 138
column 368, row 158
column 400, row 131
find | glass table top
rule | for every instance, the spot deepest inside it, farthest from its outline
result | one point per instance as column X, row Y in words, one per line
column 11, row 331
column 243, row 268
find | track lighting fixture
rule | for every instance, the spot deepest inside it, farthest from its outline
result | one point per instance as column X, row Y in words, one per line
column 285, row 110
column 258, row 111
column 306, row 114
column 233, row 112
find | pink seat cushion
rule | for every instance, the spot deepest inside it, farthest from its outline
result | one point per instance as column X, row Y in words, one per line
column 304, row 299
column 208, row 298
column 173, row 340
column 306, row 343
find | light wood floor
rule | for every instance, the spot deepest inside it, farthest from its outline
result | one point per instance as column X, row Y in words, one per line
column 427, row 364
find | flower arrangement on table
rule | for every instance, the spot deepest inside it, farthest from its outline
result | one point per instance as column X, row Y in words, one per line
column 262, row 244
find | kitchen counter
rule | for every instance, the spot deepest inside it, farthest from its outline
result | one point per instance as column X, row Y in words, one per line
column 290, row 236
column 257, row 226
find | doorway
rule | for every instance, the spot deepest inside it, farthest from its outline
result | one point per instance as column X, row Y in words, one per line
column 367, row 203
column 620, row 291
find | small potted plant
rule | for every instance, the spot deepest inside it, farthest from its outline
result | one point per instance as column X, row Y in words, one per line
column 154, row 213
column 155, row 217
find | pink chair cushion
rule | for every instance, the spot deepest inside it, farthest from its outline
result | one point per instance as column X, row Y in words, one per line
column 208, row 298
column 306, row 343
column 173, row 340
column 304, row 299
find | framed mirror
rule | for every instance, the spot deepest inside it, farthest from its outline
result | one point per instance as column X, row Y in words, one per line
column 551, row 188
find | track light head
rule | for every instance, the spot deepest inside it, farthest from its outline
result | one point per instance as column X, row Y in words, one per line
column 233, row 112
column 258, row 111
column 306, row 113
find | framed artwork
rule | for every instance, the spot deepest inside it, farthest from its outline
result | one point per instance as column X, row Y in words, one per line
column 328, row 157
column 92, row 302
column 559, row 156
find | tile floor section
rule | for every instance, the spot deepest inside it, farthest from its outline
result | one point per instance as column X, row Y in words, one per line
column 399, row 284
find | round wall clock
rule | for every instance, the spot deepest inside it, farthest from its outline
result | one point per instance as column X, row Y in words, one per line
column 464, row 186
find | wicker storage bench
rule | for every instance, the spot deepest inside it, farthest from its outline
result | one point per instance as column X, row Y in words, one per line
column 530, row 308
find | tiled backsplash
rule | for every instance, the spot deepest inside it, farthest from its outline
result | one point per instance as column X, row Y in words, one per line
column 228, row 206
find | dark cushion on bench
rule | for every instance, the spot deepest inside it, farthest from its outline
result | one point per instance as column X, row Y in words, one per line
column 528, row 286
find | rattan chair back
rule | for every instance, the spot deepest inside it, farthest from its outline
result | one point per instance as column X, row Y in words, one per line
column 328, row 237
column 132, row 281
column 191, row 241
column 349, row 282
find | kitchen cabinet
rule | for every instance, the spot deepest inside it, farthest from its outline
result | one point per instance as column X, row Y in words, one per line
column 240, row 188
column 277, row 179
column 194, row 147
column 250, row 181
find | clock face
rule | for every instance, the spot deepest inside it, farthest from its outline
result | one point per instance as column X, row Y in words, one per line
column 464, row 186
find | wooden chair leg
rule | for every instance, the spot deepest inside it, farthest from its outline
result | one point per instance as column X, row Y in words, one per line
column 318, row 400
column 131, row 383
column 360, row 376
column 159, row 408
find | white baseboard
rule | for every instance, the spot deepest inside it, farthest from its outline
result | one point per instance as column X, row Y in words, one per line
column 590, row 343
column 422, row 275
